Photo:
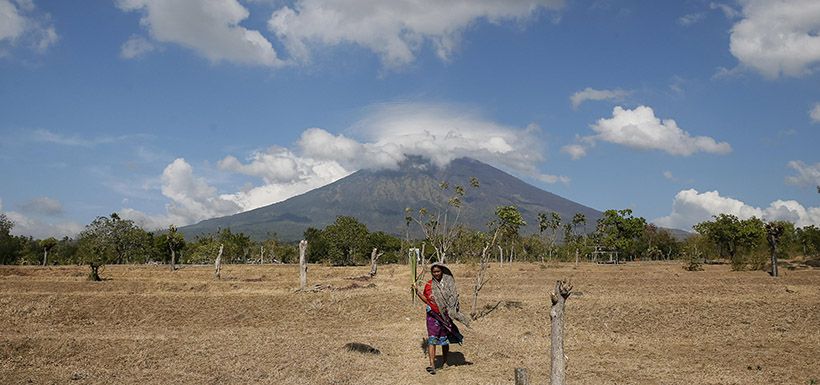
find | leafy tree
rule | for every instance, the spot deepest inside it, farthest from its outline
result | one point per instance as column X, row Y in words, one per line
column 66, row 251
column 732, row 235
column 97, row 245
column 386, row 243
column 131, row 243
column 620, row 231
column 549, row 222
column 657, row 243
column 467, row 244
column 176, row 241
column 347, row 239
column 47, row 244
column 509, row 222
column 808, row 240
column 319, row 245
column 112, row 240
column 533, row 248
column 9, row 245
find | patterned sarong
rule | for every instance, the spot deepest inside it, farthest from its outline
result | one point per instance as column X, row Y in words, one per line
column 441, row 330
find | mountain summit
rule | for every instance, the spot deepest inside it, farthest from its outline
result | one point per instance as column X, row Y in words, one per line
column 378, row 199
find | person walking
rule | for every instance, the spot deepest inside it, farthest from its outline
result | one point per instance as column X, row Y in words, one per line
column 440, row 294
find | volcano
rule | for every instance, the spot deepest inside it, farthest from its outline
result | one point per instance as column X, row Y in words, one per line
column 378, row 199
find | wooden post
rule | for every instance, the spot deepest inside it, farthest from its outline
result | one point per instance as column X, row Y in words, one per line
column 413, row 257
column 500, row 255
column 558, row 297
column 302, row 265
column 45, row 255
column 521, row 377
column 218, row 263
column 262, row 255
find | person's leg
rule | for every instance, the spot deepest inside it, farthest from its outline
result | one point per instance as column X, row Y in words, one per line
column 444, row 350
column 431, row 352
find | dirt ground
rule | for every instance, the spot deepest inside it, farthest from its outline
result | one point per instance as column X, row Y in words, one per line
column 638, row 323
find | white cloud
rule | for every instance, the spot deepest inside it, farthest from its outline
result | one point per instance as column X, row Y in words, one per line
column 669, row 176
column 47, row 136
column 692, row 18
column 135, row 47
column 807, row 175
column 442, row 132
column 640, row 129
column 691, row 207
column 592, row 94
column 191, row 196
column 814, row 113
column 31, row 225
column 728, row 11
column 389, row 134
column 12, row 23
column 778, row 37
column 395, row 30
column 192, row 200
column 211, row 28
column 19, row 22
column 43, row 206
column 575, row 151
column 39, row 229
column 284, row 173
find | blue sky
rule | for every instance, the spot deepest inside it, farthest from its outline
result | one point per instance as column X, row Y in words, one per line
column 175, row 112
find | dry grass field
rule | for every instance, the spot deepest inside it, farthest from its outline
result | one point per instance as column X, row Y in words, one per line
column 638, row 323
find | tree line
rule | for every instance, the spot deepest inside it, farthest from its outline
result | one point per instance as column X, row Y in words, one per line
column 114, row 240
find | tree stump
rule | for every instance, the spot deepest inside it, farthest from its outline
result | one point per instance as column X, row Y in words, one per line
column 302, row 265
column 558, row 297
column 521, row 377
column 218, row 263
column 374, row 261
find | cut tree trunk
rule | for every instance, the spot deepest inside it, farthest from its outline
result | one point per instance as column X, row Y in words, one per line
column 173, row 259
column 302, row 265
column 374, row 261
column 558, row 297
column 774, row 258
column 45, row 256
column 521, row 377
column 218, row 263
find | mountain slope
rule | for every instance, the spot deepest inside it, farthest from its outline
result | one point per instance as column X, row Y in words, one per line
column 378, row 199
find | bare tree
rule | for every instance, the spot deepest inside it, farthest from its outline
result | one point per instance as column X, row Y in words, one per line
column 481, row 277
column 441, row 228
column 558, row 297
column 508, row 220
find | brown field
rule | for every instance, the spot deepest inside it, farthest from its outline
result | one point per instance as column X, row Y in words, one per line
column 639, row 323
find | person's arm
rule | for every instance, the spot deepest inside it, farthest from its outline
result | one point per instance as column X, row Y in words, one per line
column 423, row 299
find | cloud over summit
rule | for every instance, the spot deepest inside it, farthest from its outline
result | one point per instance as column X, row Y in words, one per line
column 386, row 135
